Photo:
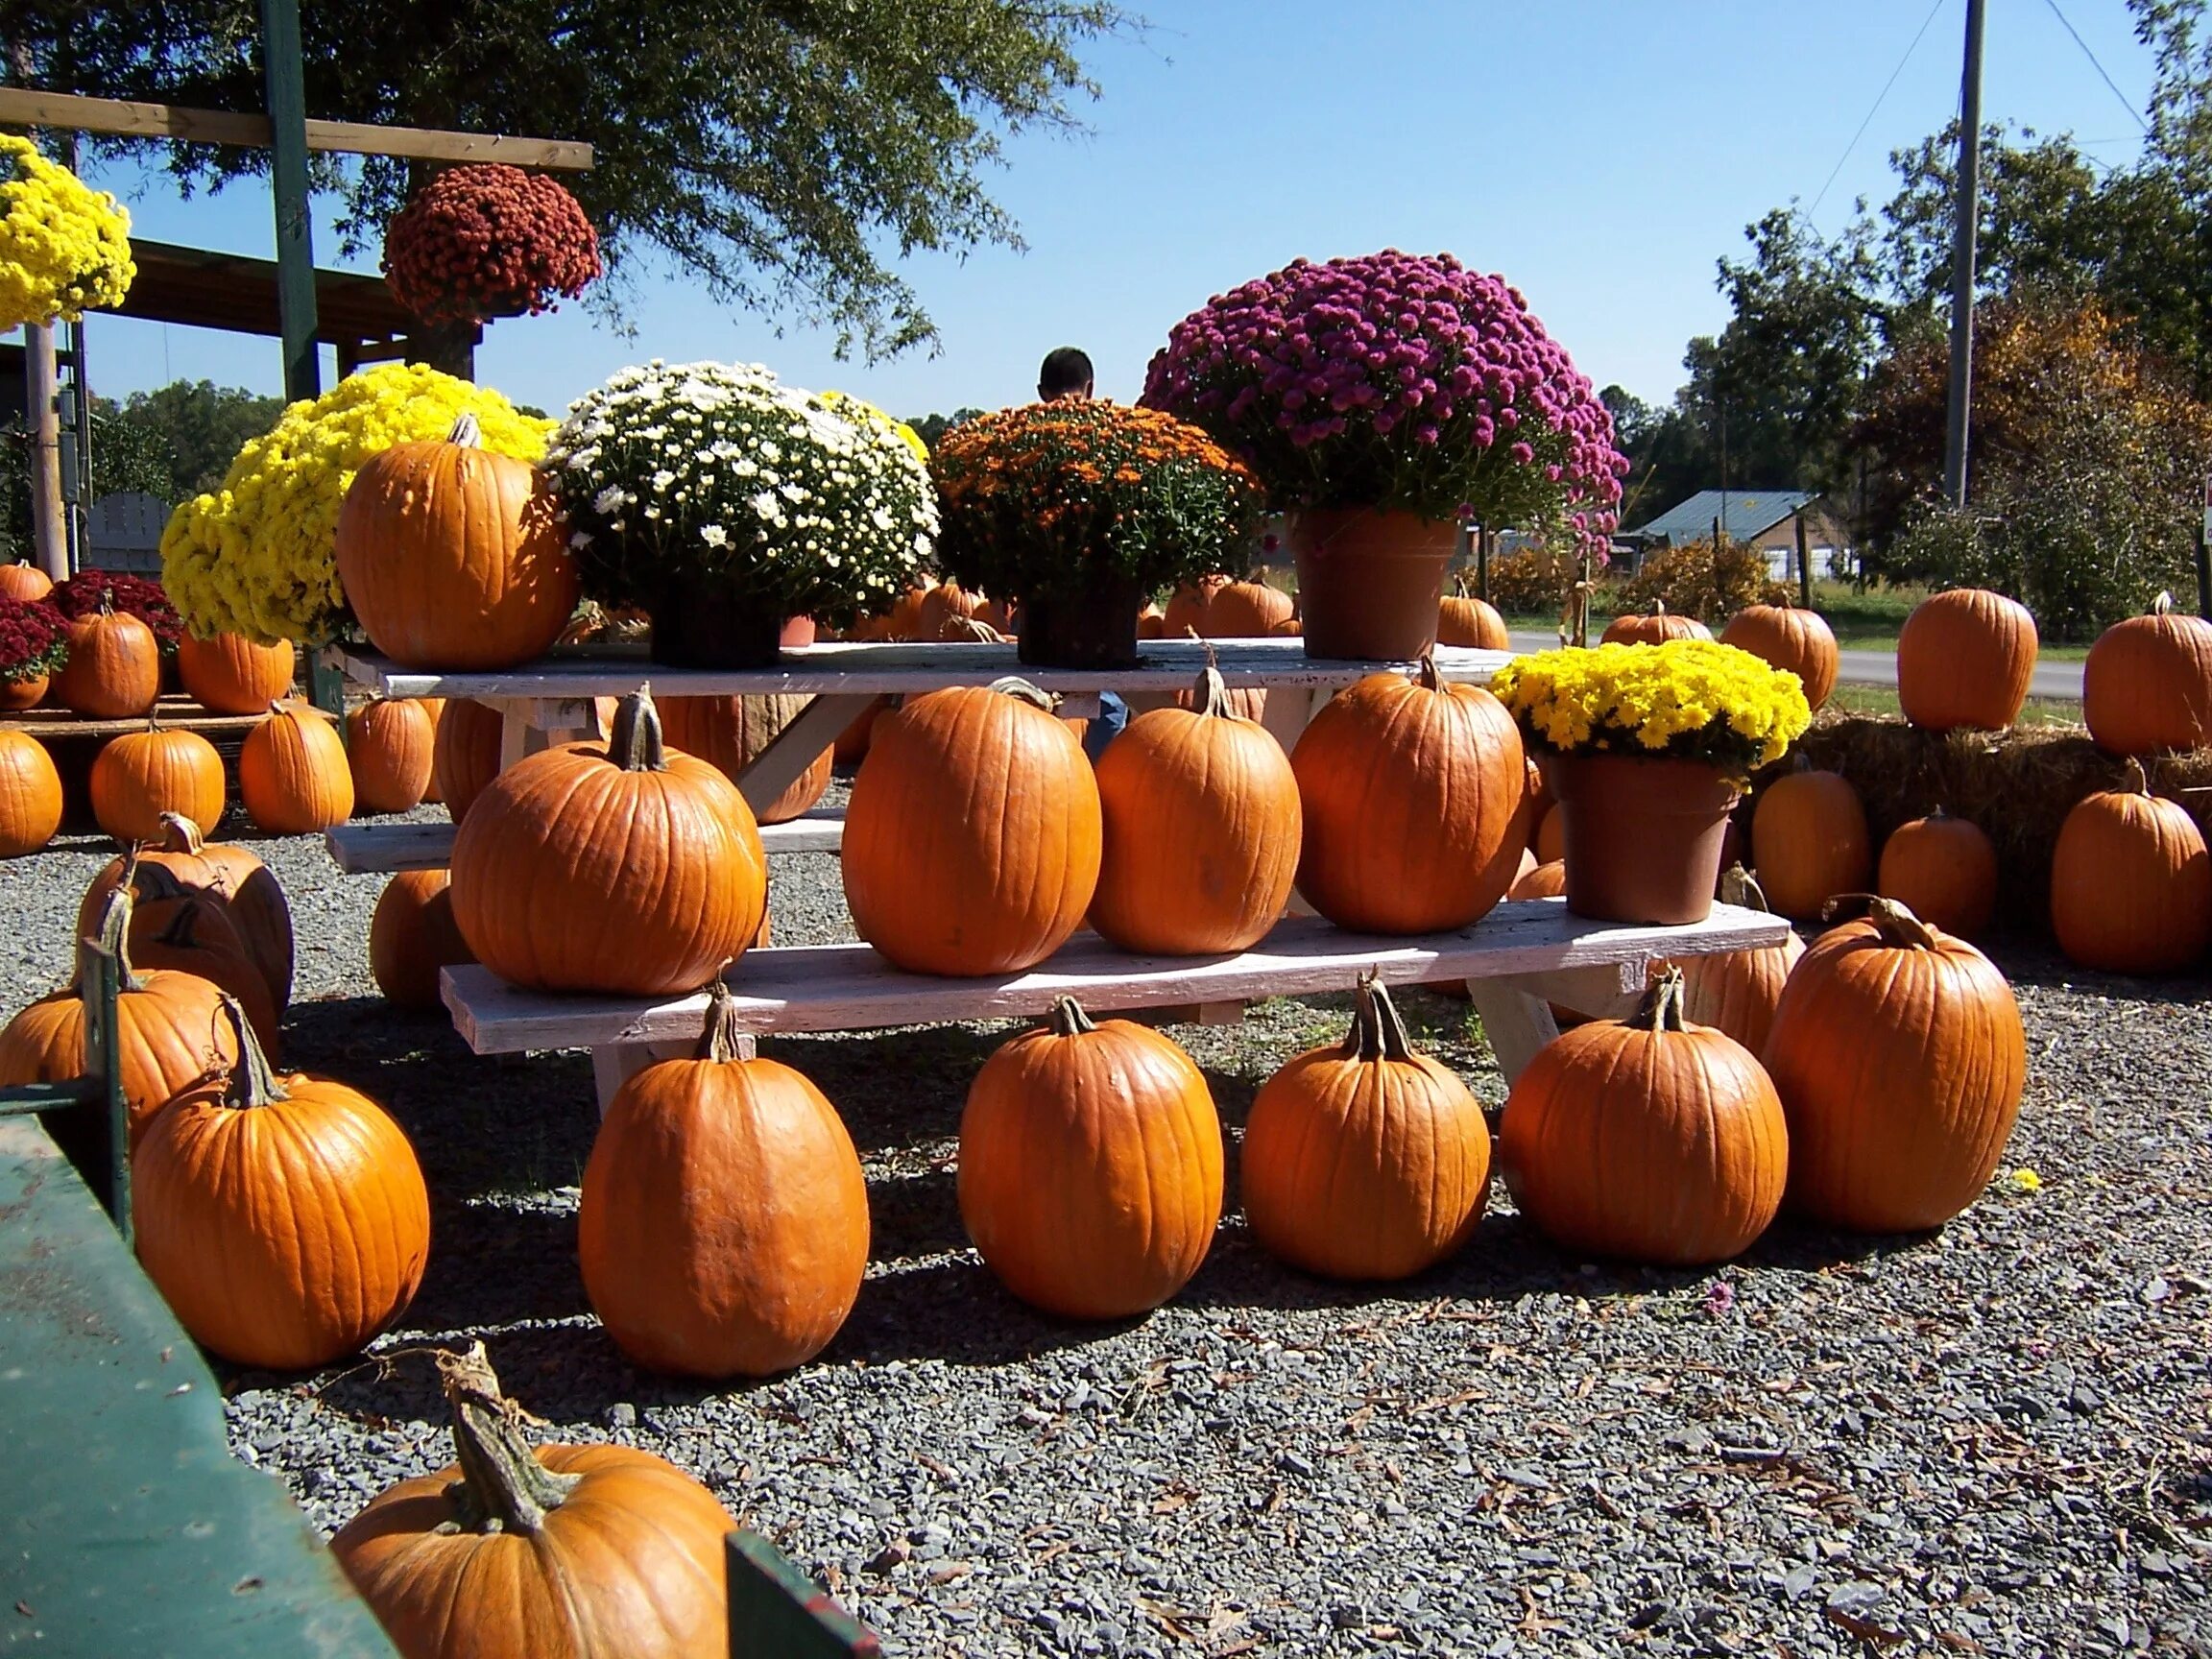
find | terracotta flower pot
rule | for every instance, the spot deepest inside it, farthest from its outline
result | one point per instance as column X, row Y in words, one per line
column 798, row 632
column 1644, row 835
column 22, row 693
column 1370, row 583
column 1096, row 630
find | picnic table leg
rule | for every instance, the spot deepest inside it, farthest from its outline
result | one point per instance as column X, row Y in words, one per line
column 614, row 1064
column 1516, row 1023
column 797, row 747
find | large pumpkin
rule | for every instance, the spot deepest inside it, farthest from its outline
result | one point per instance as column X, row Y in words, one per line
column 1365, row 1160
column 1652, row 627
column 1736, row 991
column 1899, row 1056
column 292, row 771
column 1649, row 1139
column 1462, row 620
column 231, row 675
column 2132, row 882
column 141, row 777
column 1799, row 642
column 465, row 752
column 730, row 733
column 1966, row 657
column 115, row 667
column 1201, row 827
column 387, row 749
column 560, row 1552
column 25, row 581
column 1412, row 792
column 29, row 795
column 412, row 935
column 231, row 875
column 1090, row 1167
column 724, row 1228
column 181, row 928
column 1808, row 841
column 455, row 558
column 2148, row 683
column 972, row 840
column 1943, row 870
column 622, row 867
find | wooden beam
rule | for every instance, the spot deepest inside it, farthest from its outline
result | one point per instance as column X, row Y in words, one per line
column 29, row 107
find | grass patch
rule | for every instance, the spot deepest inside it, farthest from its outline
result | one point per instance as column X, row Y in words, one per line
column 1883, row 700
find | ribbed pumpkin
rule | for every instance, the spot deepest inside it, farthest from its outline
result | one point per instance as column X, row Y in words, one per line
column 292, row 771
column 455, row 558
column 1201, row 827
column 1808, row 841
column 1462, row 620
column 1966, row 657
column 1736, row 991
column 1899, row 1056
column 2132, row 882
column 2146, row 685
column 25, row 581
column 29, row 795
column 947, row 602
column 1653, row 626
column 283, row 1219
column 172, row 1028
column 231, row 675
column 465, row 752
column 434, row 709
column 23, row 694
column 621, row 867
column 1943, row 870
column 972, row 839
column 184, row 931
column 1187, row 606
column 388, row 747
column 1365, row 1160
column 1649, row 1139
column 412, row 935
column 1243, row 611
column 141, row 777
column 558, row 1553
column 1413, row 792
column 724, row 1226
column 115, row 667
column 229, row 874
column 1090, row 1167
column 729, row 732
column 1799, row 642
column 1545, row 880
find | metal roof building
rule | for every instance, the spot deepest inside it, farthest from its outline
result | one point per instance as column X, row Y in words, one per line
column 1750, row 513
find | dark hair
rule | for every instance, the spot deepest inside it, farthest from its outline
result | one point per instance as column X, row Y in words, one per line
column 1065, row 370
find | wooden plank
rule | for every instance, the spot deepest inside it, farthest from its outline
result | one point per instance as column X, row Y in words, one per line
column 1516, row 1024
column 849, row 987
column 371, row 849
column 172, row 713
column 776, row 1610
column 796, row 748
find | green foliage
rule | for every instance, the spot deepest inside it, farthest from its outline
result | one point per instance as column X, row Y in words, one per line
column 199, row 425
column 932, row 427
column 1695, row 579
column 1533, row 581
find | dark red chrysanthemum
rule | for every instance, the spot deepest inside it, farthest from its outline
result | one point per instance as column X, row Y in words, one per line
column 33, row 639
column 488, row 240
column 140, row 597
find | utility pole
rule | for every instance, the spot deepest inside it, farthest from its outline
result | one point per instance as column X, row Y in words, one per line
column 1967, row 211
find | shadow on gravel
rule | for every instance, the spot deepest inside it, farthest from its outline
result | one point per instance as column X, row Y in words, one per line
column 899, row 1087
column 959, row 1312
column 492, row 1266
column 2038, row 965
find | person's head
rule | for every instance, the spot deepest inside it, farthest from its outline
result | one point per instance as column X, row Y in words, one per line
column 1067, row 373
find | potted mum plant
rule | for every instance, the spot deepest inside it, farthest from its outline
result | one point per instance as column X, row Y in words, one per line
column 33, row 645
column 64, row 247
column 1080, row 511
column 488, row 240
column 1384, row 400
column 1647, row 748
column 722, row 502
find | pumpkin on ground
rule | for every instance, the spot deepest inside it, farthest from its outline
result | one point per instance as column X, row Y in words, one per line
column 231, row 875
column 412, row 935
column 140, row 778
column 29, row 795
column 1943, row 870
column 292, row 771
column 724, row 1226
column 1365, row 1160
column 115, row 667
column 181, row 928
column 1899, row 1056
column 2146, row 685
column 2132, row 882
column 851, row 745
column 1653, row 626
column 730, row 733
column 229, row 674
column 1201, row 826
column 387, row 748
column 557, row 1553
column 1649, row 1139
column 972, row 839
column 1966, row 657
column 25, row 581
column 1736, row 991
column 1808, row 841
column 465, row 752
column 1798, row 641
column 455, row 558
column 1462, row 620
column 622, row 867
column 1413, row 794
column 1090, row 1167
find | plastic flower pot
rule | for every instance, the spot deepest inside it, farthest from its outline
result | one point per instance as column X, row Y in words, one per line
column 1645, row 837
column 1370, row 583
column 706, row 623
column 22, row 693
column 1093, row 630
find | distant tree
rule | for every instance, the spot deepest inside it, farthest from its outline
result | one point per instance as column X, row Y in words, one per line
column 199, row 425
column 932, row 427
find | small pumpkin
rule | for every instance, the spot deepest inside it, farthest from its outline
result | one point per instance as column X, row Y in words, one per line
column 412, row 934
column 29, row 795
column 1549, row 842
column 851, row 745
column 1462, row 620
column 1545, row 880
column 465, row 752
column 731, row 733
column 1187, row 607
column 1798, row 641
column 1808, row 841
column 1943, row 870
column 947, row 602
column 387, row 745
column 1151, row 622
column 229, row 674
column 2132, row 882
column 115, row 667
column 1090, row 1167
column 1736, row 991
column 231, row 875
column 292, row 771
column 25, row 581
column 1653, row 626
column 1966, row 657
column 141, row 777
column 24, row 692
column 2146, row 685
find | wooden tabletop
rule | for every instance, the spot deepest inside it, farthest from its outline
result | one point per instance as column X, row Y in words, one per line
column 173, row 714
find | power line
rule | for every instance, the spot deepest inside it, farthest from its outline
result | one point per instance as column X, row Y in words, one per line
column 1876, row 110
column 2094, row 64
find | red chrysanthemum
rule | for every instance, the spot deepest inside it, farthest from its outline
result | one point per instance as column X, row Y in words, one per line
column 488, row 240
column 33, row 639
column 140, row 597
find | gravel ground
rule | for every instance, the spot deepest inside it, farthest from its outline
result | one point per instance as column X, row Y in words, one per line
column 1991, row 1440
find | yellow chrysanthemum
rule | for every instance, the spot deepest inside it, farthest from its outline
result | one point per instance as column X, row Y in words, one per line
column 846, row 404
column 63, row 246
column 1686, row 697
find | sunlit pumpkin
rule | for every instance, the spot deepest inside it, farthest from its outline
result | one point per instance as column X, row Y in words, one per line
column 292, row 771
column 1653, row 626
column 1462, row 620
column 115, row 667
column 25, row 581
column 730, row 733
column 388, row 747
column 465, row 752
column 140, row 777
column 1966, row 657
column 1736, row 991
column 1943, row 870
column 1808, row 841
column 2146, row 685
column 229, row 674
column 1798, row 641
column 2132, row 882
column 29, row 795
column 231, row 875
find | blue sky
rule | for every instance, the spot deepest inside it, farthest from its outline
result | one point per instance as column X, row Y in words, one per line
column 1601, row 154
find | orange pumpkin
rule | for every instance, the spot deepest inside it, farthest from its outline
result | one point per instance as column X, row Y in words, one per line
column 1151, row 624
column 454, row 558
column 229, row 674
column 1546, row 880
column 1899, row 1056
column 1653, row 626
column 29, row 795
column 1799, row 642
column 947, row 602
column 1243, row 611
column 465, row 752
column 1201, row 827
column 972, row 839
column 292, row 771
column 141, row 777
column 561, row 1553
column 1649, row 1139
column 435, row 709
column 1090, row 1167
column 1737, row 991
column 745, row 1275
column 25, row 581
column 1943, row 870
column 1364, row 1158
column 1808, row 841
column 181, row 929
column 22, row 693
column 851, row 745
column 115, row 667
column 231, row 875
column 1187, row 607
column 2132, row 882
column 387, row 749
column 1413, row 795
column 622, row 867
column 412, row 935
column 1549, row 842
column 730, row 733
column 1966, row 657
column 2148, row 683
column 1462, row 620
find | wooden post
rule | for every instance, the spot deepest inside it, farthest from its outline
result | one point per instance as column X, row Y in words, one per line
column 288, row 183
column 1486, row 539
column 49, row 536
column 1804, row 565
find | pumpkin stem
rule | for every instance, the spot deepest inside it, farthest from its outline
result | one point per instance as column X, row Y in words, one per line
column 634, row 743
column 2162, row 605
column 1741, row 888
column 1661, row 1009
column 2138, row 779
column 183, row 835
column 466, row 431
column 1377, row 1032
column 1900, row 930
column 722, row 1039
column 1429, row 677
column 252, row 1080
column 1022, row 692
column 1212, row 694
column 110, row 939
column 503, row 1487
column 1658, row 607
column 1068, row 1019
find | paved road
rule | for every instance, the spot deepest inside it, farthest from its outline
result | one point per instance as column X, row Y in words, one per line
column 2055, row 680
